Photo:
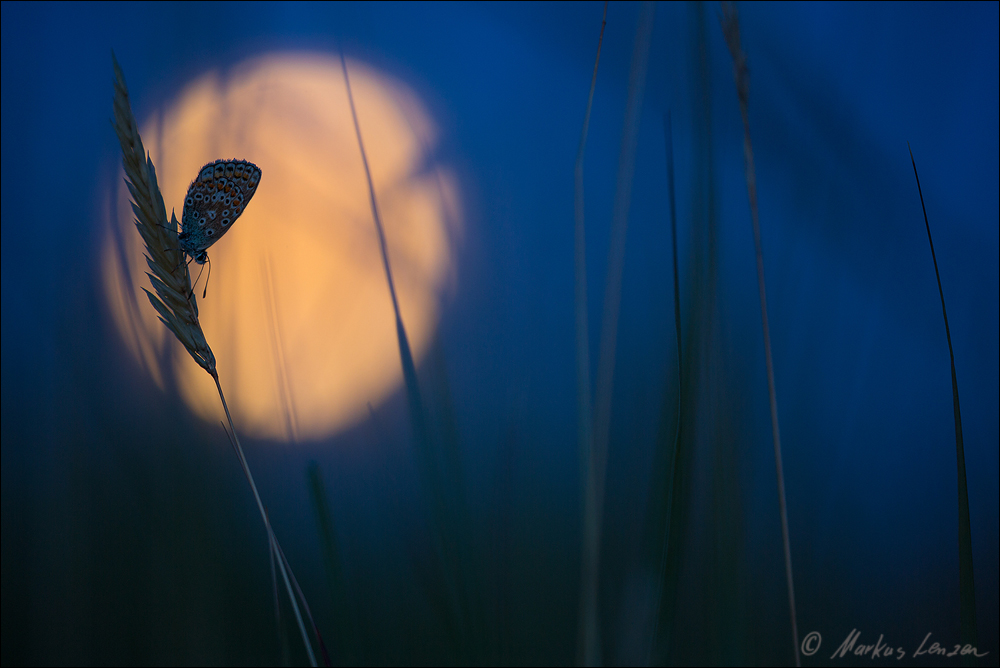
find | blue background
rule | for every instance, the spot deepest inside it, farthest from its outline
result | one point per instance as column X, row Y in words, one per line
column 129, row 534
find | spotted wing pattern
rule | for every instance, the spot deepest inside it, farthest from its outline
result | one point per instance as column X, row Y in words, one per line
column 213, row 202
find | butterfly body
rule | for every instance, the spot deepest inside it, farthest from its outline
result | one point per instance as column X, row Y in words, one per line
column 214, row 200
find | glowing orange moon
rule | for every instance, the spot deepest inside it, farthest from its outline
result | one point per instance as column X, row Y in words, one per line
column 298, row 311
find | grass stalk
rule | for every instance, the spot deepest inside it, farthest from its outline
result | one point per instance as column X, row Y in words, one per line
column 347, row 627
column 272, row 540
column 175, row 302
column 731, row 31
column 443, row 529
column 585, row 420
column 417, row 414
column 966, row 579
column 288, row 411
column 672, row 456
column 279, row 627
column 590, row 651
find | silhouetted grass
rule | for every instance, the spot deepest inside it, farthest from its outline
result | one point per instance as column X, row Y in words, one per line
column 585, row 418
column 437, row 461
column 665, row 471
column 966, row 578
column 690, row 415
column 345, row 628
column 731, row 30
column 695, row 459
column 590, row 649
column 176, row 305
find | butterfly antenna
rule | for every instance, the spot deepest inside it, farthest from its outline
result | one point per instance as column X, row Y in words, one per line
column 205, row 293
column 198, row 279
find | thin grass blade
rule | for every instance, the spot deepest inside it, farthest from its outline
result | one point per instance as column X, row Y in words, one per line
column 966, row 577
column 741, row 74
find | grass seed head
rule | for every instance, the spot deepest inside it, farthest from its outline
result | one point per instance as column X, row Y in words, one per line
column 172, row 296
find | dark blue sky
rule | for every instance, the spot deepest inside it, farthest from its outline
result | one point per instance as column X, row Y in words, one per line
column 122, row 546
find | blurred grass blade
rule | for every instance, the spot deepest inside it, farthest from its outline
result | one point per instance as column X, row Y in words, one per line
column 585, row 419
column 417, row 416
column 445, row 533
column 731, row 31
column 278, row 626
column 590, row 643
column 664, row 489
column 966, row 579
column 345, row 628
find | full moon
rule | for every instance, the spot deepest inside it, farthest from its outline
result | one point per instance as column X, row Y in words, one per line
column 298, row 310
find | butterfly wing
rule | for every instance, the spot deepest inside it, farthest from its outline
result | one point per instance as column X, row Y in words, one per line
column 214, row 201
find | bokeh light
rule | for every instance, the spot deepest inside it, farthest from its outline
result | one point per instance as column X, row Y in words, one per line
column 298, row 311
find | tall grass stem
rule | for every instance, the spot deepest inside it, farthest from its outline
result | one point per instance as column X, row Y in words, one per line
column 272, row 541
column 174, row 300
column 585, row 419
column 661, row 572
column 731, row 31
column 966, row 579
column 594, row 500
column 444, row 539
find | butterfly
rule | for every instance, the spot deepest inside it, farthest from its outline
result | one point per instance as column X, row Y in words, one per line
column 214, row 200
